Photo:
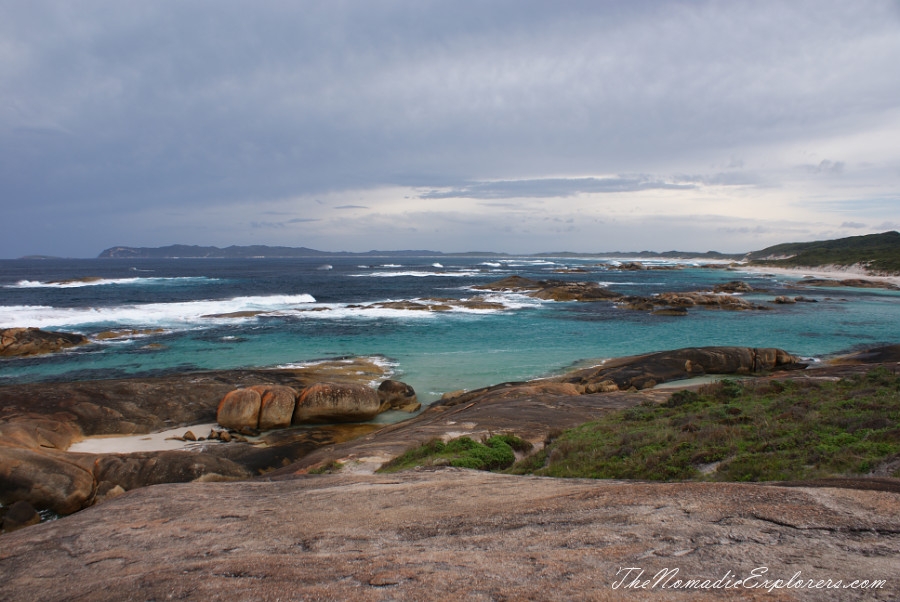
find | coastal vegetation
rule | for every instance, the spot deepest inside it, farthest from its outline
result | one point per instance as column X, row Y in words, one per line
column 494, row 453
column 876, row 252
column 739, row 431
column 773, row 430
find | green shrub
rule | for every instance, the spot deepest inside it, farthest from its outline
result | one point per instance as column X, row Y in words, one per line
column 494, row 453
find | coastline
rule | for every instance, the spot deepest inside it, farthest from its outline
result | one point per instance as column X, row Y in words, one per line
column 831, row 272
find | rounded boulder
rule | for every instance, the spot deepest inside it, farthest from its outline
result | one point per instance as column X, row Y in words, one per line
column 335, row 402
column 239, row 408
column 276, row 406
column 396, row 395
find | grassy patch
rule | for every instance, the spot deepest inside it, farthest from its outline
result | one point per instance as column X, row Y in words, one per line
column 738, row 431
column 493, row 453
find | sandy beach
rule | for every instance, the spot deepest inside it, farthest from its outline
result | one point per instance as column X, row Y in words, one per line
column 832, row 272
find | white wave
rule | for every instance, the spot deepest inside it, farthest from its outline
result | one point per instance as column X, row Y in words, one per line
column 170, row 315
column 527, row 262
column 437, row 265
column 342, row 312
column 335, row 311
column 491, row 264
column 514, row 300
column 77, row 283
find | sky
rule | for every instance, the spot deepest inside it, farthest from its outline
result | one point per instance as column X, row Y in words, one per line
column 517, row 126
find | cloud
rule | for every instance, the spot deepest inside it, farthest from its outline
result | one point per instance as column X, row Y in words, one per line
column 554, row 187
column 826, row 167
column 885, row 226
column 852, row 225
column 111, row 110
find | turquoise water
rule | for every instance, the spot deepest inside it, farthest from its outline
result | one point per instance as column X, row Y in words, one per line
column 310, row 312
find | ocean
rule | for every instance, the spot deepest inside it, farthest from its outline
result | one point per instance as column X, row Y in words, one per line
column 285, row 312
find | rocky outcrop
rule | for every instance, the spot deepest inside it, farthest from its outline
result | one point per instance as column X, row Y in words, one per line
column 454, row 534
column 335, row 402
column 553, row 290
column 266, row 407
column 644, row 371
column 45, row 479
column 662, row 303
column 20, row 342
column 39, row 421
column 734, row 286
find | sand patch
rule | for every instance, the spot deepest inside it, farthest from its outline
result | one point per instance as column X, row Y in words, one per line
column 161, row 441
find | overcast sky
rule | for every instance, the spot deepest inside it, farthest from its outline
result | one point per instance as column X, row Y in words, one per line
column 498, row 125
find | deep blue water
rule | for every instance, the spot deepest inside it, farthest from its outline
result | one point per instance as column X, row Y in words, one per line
column 434, row 351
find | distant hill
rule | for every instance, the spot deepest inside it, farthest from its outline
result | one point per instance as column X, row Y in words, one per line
column 875, row 252
column 878, row 253
column 235, row 252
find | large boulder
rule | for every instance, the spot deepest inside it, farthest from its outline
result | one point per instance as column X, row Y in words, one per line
column 45, row 479
column 395, row 395
column 135, row 470
column 276, row 406
column 336, row 402
column 15, row 342
column 239, row 408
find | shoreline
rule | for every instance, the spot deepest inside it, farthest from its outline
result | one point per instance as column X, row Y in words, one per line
column 832, row 272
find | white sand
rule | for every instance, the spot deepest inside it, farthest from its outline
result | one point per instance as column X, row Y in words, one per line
column 161, row 441
column 830, row 272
